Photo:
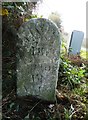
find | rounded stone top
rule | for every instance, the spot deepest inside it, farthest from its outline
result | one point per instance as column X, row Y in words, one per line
column 38, row 58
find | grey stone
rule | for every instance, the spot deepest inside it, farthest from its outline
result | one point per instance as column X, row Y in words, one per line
column 75, row 42
column 38, row 59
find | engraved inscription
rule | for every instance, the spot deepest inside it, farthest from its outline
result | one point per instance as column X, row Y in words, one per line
column 38, row 58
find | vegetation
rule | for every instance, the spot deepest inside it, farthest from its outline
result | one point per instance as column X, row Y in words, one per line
column 55, row 17
column 18, row 12
column 84, row 54
column 72, row 87
column 72, row 84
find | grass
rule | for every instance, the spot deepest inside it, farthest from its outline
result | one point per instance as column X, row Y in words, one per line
column 84, row 54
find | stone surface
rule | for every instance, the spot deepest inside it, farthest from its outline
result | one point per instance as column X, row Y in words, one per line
column 38, row 59
column 76, row 42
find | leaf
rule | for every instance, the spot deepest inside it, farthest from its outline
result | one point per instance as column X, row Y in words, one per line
column 4, row 12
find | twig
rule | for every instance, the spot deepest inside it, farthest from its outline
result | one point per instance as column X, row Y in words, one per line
column 74, row 113
column 34, row 106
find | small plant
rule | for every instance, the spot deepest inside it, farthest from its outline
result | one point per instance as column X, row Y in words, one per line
column 70, row 74
column 68, row 113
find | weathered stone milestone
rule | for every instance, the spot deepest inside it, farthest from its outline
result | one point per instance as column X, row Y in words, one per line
column 38, row 59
